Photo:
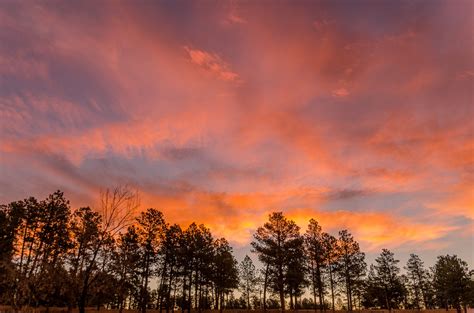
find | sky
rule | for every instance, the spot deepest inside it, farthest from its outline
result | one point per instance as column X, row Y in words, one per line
column 356, row 113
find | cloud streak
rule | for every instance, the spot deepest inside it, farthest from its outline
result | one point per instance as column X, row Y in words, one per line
column 212, row 63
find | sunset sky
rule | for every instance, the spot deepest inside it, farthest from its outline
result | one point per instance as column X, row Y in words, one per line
column 356, row 113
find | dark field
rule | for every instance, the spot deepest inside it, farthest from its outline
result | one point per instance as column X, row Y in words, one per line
column 5, row 309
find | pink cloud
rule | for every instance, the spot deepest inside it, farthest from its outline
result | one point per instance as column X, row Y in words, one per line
column 340, row 92
column 276, row 115
column 212, row 63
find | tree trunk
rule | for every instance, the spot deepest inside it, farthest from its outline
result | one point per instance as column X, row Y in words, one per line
column 82, row 304
column 265, row 290
column 184, row 295
column 332, row 289
column 313, row 278
column 221, row 307
column 120, row 304
column 347, row 296
column 145, row 288
column 386, row 300
column 248, row 296
column 190, row 292
column 417, row 297
column 291, row 299
column 160, row 290
column 173, row 299
column 168, row 290
column 282, row 299
column 349, row 291
column 200, row 297
column 281, row 288
column 423, row 294
column 320, row 288
column 196, row 281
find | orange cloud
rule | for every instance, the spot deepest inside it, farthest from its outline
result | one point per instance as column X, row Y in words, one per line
column 306, row 113
column 458, row 201
column 375, row 229
column 341, row 92
column 236, row 216
column 213, row 63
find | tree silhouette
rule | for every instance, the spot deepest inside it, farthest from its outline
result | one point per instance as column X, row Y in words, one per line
column 225, row 273
column 150, row 229
column 94, row 232
column 170, row 251
column 418, row 280
column 273, row 243
column 351, row 265
column 295, row 276
column 41, row 240
column 316, row 254
column 11, row 217
column 126, row 264
column 248, row 278
column 88, row 240
column 331, row 250
column 385, row 285
column 451, row 282
column 51, row 255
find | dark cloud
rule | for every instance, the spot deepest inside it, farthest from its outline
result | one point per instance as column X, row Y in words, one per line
column 346, row 194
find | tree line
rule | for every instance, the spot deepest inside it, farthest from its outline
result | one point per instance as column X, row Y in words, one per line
column 335, row 268
column 52, row 255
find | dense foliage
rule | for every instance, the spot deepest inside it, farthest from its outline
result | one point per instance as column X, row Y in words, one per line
column 51, row 255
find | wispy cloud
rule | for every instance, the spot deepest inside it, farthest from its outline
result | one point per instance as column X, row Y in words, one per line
column 341, row 92
column 212, row 63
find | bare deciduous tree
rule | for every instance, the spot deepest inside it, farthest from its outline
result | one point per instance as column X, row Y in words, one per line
column 118, row 207
column 115, row 213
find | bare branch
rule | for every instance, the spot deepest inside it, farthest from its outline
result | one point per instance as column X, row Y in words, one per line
column 118, row 207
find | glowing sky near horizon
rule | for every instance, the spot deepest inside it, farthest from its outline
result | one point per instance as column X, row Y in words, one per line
column 356, row 113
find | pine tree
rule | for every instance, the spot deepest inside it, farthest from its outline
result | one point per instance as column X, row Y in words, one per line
column 126, row 261
column 351, row 265
column 151, row 227
column 273, row 242
column 316, row 255
column 295, row 276
column 170, row 251
column 418, row 280
column 451, row 282
column 88, row 240
column 387, row 277
column 331, row 250
column 248, row 279
column 225, row 275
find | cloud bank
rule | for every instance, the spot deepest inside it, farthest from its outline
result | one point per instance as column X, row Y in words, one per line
column 357, row 115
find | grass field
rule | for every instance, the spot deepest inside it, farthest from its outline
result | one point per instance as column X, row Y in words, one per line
column 5, row 309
